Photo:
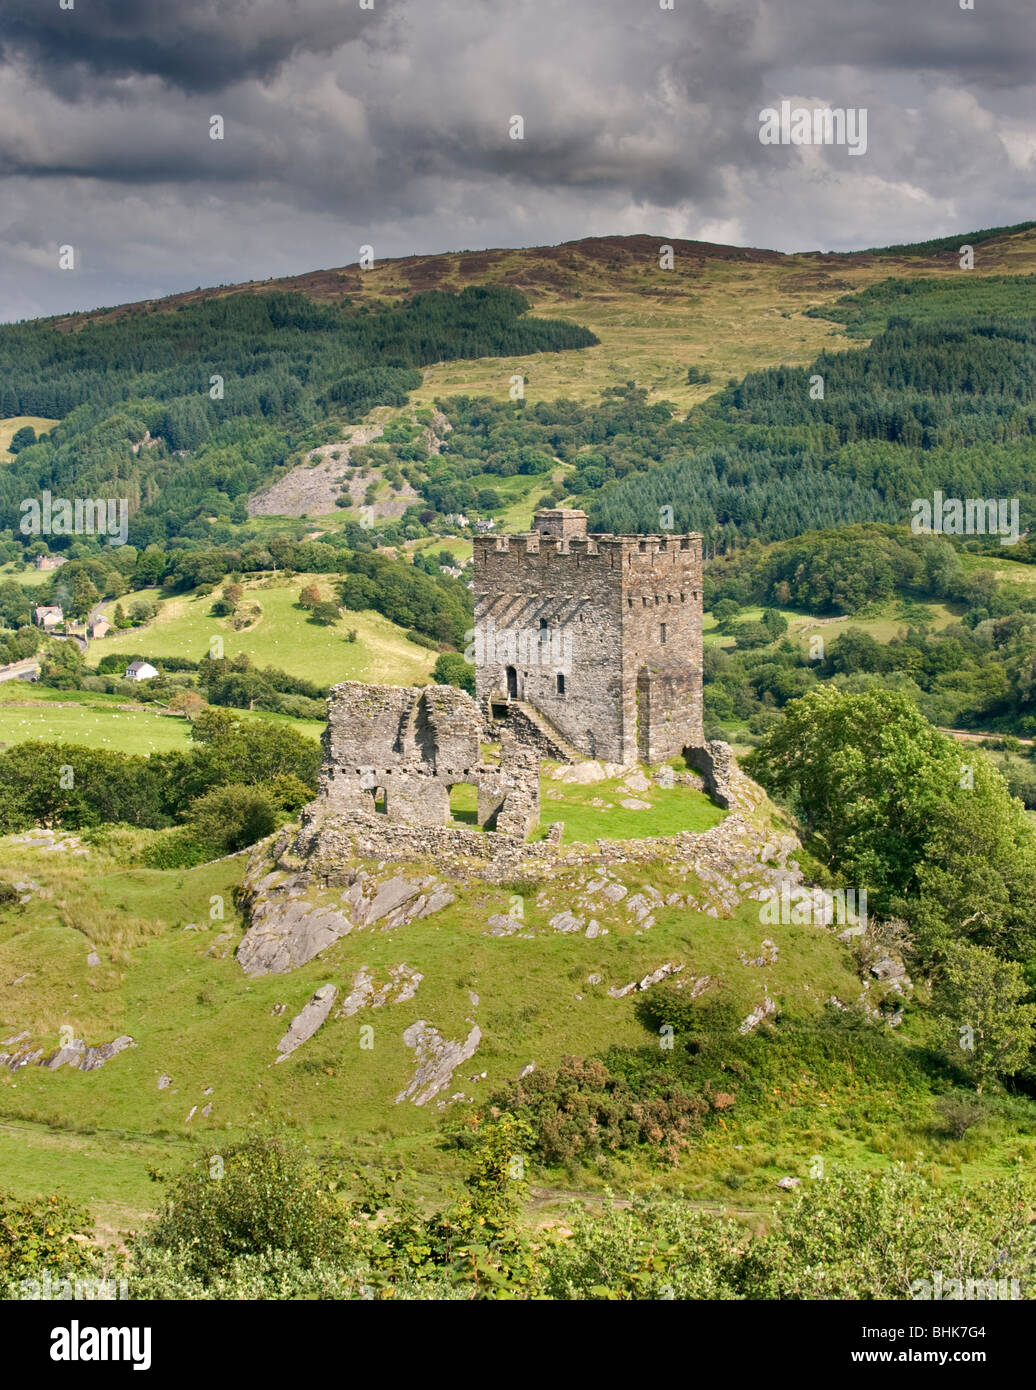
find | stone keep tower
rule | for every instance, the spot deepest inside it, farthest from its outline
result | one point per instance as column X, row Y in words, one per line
column 600, row 635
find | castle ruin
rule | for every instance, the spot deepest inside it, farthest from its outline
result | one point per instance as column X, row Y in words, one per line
column 585, row 646
column 401, row 749
column 598, row 636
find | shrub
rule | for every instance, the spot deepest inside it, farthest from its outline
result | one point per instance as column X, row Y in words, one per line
column 959, row 1113
column 230, row 817
column 581, row 1109
column 43, row 1233
column 325, row 613
column 452, row 669
column 257, row 1197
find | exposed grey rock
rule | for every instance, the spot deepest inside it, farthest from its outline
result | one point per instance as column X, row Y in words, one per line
column 287, row 929
column 390, row 896
column 164, row 1082
column 75, row 1054
column 757, row 1015
column 93, row 958
column 402, row 985
column 527, row 1070
column 24, row 1059
column 501, row 924
column 71, row 1054
column 789, row 1183
column 306, row 1023
column 594, row 979
column 622, row 991
column 768, row 957
column 97, row 1056
column 437, row 1059
column 888, row 969
column 660, row 974
column 638, row 906
column 580, row 774
column 567, row 922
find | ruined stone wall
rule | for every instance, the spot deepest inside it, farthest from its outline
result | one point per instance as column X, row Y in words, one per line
column 509, row 796
column 410, row 746
column 724, row 781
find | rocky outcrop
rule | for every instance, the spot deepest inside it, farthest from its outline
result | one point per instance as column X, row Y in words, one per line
column 761, row 1011
column 288, row 928
column 73, row 1053
column 306, row 1023
column 437, row 1060
column 365, row 994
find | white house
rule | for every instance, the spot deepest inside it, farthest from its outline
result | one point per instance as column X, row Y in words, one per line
column 141, row 671
column 48, row 616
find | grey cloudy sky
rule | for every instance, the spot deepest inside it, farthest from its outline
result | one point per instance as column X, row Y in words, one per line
column 389, row 126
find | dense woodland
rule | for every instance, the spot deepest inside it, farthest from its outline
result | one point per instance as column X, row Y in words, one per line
column 227, row 389
column 927, row 406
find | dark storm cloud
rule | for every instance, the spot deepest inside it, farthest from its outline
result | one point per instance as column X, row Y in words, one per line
column 390, row 125
column 195, row 45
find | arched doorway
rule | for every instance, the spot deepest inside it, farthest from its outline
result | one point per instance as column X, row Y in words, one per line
column 512, row 683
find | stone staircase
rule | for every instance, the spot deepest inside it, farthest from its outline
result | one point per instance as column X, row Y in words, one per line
column 534, row 728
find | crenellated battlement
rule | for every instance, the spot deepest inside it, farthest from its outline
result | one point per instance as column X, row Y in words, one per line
column 615, row 552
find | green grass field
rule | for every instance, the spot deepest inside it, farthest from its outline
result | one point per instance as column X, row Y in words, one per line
column 10, row 427
column 105, row 721
column 284, row 637
column 29, row 578
column 124, row 731
column 882, row 621
column 595, row 811
column 198, row 1019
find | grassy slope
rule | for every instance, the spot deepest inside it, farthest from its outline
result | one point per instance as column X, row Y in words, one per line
column 284, row 637
column 105, row 721
column 725, row 309
column 667, row 812
column 10, row 427
column 199, row 1019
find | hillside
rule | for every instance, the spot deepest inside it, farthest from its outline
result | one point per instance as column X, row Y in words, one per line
column 311, row 522
column 725, row 309
column 99, row 949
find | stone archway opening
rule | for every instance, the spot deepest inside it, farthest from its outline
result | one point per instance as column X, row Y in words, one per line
column 464, row 804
